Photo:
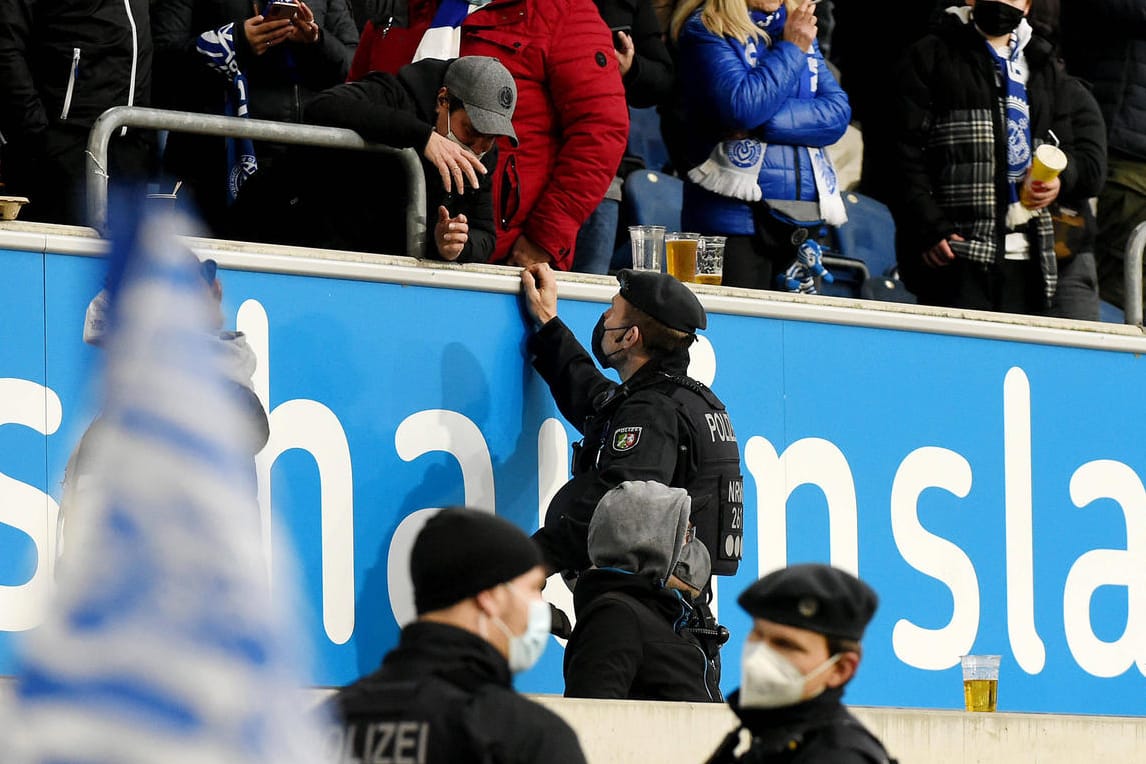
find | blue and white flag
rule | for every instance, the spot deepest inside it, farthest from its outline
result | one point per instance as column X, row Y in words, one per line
column 163, row 643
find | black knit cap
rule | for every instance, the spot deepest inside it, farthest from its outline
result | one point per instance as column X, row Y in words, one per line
column 461, row 552
column 664, row 298
column 816, row 597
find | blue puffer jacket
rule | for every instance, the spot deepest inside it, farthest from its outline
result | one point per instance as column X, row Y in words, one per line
column 727, row 86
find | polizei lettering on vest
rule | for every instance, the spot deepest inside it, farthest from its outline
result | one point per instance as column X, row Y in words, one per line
column 720, row 426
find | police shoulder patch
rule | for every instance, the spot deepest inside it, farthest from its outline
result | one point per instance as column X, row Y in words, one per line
column 626, row 438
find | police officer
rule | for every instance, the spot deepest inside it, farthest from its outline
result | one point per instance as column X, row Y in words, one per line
column 658, row 424
column 807, row 623
column 445, row 694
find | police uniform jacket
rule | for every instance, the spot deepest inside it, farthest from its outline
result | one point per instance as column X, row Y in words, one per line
column 445, row 696
column 658, row 425
column 629, row 644
column 817, row 731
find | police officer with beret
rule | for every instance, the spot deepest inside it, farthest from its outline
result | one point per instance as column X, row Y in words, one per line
column 658, row 424
column 807, row 623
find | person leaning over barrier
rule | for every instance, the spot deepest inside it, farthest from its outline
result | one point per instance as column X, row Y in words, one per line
column 807, row 623
column 444, row 695
column 452, row 112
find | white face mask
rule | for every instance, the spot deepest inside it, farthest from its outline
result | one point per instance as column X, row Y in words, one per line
column 769, row 680
column 526, row 649
column 454, row 138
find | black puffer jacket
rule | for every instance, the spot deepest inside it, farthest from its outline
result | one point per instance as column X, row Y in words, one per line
column 627, row 644
column 69, row 61
column 1104, row 42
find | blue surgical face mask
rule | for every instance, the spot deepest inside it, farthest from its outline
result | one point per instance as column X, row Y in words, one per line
column 525, row 649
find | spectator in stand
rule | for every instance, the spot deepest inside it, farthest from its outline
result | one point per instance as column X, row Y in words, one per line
column 477, row 589
column 452, row 112
column 804, row 648
column 1104, row 43
column 1082, row 134
column 571, row 119
column 226, row 57
column 867, row 73
column 977, row 97
column 647, row 74
column 761, row 107
column 630, row 641
column 62, row 64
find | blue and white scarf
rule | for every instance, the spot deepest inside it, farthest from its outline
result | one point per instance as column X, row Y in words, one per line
column 1018, row 125
column 217, row 46
column 443, row 40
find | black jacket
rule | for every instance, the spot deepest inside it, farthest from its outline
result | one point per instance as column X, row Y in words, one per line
column 362, row 198
column 659, row 425
column 949, row 122
column 447, row 695
column 1104, row 42
column 281, row 80
column 67, row 61
column 649, row 81
column 817, row 731
column 1082, row 133
column 626, row 644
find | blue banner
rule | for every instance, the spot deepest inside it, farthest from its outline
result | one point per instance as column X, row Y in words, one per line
column 989, row 490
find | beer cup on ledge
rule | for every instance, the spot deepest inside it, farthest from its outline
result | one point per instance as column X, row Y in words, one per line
column 980, row 682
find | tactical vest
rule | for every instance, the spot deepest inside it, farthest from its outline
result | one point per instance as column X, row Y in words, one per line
column 707, row 465
column 425, row 720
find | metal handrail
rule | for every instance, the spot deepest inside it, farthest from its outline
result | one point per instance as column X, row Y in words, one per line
column 256, row 129
column 1132, row 275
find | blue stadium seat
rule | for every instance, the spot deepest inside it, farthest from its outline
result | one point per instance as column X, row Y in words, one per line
column 1110, row 314
column 653, row 198
column 645, row 138
column 647, row 198
column 869, row 234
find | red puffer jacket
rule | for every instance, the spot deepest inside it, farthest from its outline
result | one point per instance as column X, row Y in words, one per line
column 571, row 120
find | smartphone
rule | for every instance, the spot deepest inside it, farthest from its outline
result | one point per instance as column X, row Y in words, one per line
column 278, row 10
column 627, row 29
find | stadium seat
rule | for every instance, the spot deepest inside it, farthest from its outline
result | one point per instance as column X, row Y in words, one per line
column 1110, row 314
column 645, row 138
column 869, row 234
column 647, row 198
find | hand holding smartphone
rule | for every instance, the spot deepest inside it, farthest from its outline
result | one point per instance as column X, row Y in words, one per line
column 280, row 10
column 617, row 43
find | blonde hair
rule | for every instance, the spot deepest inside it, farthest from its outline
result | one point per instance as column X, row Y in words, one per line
column 727, row 18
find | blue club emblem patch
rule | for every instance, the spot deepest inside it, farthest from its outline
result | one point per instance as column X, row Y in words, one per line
column 626, row 438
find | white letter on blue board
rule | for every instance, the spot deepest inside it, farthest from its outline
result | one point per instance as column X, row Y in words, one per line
column 27, row 508
column 1106, row 479
column 810, row 461
column 934, row 649
column 1028, row 648
column 312, row 427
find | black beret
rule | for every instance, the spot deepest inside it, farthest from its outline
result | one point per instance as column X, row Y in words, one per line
column 664, row 298
column 461, row 552
column 816, row 597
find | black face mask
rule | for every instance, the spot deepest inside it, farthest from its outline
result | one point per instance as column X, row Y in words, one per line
column 995, row 18
column 603, row 358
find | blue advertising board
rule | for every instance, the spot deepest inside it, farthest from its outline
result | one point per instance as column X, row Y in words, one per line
column 989, row 489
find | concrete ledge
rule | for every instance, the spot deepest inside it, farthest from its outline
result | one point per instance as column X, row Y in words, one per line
column 632, row 732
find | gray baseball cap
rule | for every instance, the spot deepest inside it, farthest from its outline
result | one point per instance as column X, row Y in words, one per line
column 488, row 91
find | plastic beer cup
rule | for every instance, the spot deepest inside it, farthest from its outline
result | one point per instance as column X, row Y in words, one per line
column 710, row 260
column 980, row 682
column 647, row 241
column 1046, row 164
column 680, row 253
